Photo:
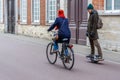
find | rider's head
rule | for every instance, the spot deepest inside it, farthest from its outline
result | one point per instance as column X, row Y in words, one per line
column 61, row 13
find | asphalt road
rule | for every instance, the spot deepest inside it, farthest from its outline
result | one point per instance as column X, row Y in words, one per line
column 24, row 60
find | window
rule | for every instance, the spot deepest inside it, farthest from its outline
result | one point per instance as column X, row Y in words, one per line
column 51, row 10
column 112, row 5
column 35, row 11
column 108, row 4
column 23, row 11
column 1, row 11
column 117, row 4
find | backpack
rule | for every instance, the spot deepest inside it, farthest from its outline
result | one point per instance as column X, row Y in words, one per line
column 100, row 23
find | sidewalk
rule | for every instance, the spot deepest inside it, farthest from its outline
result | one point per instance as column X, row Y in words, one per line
column 78, row 49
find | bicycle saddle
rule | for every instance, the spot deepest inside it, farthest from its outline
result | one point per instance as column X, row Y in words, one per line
column 65, row 39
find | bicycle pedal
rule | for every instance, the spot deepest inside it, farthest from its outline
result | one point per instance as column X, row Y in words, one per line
column 67, row 61
column 70, row 59
column 62, row 57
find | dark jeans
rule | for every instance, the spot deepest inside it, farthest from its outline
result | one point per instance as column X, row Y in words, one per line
column 60, row 40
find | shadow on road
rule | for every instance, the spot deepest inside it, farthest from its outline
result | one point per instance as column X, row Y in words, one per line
column 99, row 63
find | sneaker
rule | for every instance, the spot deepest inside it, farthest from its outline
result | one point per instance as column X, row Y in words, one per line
column 67, row 60
column 99, row 58
column 69, row 57
column 90, row 56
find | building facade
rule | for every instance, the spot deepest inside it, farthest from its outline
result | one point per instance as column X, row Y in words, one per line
column 109, row 11
column 30, row 17
column 33, row 17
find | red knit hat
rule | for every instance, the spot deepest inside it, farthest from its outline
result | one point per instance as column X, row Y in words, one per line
column 61, row 13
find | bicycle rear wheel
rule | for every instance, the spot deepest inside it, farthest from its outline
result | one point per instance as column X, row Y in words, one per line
column 69, row 65
column 52, row 57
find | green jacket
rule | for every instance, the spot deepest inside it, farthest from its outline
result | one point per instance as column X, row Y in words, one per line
column 92, row 25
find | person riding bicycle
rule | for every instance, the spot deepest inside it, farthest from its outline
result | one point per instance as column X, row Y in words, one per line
column 61, row 23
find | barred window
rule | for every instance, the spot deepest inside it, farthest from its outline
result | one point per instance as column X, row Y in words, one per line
column 117, row 4
column 51, row 10
column 36, row 11
column 23, row 11
column 113, row 5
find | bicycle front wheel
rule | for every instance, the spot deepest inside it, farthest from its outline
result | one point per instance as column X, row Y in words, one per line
column 70, row 59
column 52, row 57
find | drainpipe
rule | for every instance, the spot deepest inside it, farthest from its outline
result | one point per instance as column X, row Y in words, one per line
column 77, row 20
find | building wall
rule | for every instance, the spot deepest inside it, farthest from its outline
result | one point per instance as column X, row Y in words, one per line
column 29, row 12
column 30, row 28
column 98, row 4
column 109, row 34
column 37, row 30
column 2, row 28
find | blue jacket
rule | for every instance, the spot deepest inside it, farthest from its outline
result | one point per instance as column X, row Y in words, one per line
column 63, row 27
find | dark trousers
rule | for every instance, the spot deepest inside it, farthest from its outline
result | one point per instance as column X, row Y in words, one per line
column 60, row 40
column 93, row 44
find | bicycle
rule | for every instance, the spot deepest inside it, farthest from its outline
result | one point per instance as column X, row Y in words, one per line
column 67, row 60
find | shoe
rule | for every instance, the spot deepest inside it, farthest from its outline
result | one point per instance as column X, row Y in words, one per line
column 90, row 56
column 69, row 57
column 99, row 58
column 67, row 60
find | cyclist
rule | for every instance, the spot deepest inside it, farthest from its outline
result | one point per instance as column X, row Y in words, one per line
column 63, row 30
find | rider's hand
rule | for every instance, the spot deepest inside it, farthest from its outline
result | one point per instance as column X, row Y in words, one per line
column 56, row 37
column 47, row 30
